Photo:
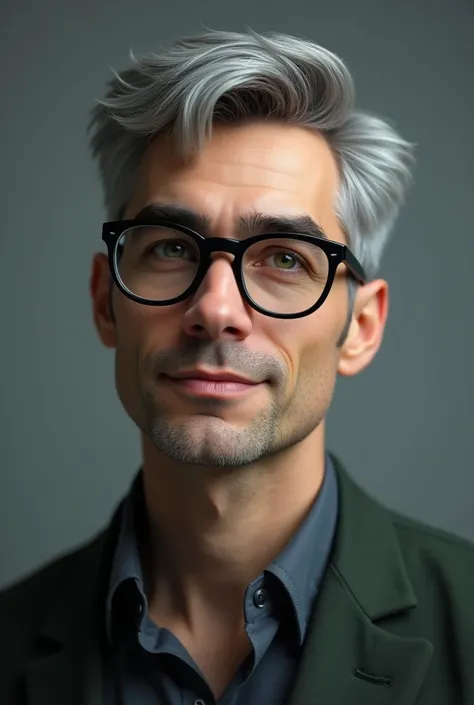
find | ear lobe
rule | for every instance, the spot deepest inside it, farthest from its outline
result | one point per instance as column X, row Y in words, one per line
column 349, row 351
column 100, row 292
column 367, row 328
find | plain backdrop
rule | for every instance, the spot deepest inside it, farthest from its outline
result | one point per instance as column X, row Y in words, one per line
column 403, row 428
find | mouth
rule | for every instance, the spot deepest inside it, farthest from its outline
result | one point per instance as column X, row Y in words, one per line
column 216, row 385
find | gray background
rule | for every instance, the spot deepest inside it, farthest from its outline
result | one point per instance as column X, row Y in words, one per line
column 403, row 428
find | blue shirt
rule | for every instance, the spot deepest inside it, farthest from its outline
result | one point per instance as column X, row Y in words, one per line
column 148, row 665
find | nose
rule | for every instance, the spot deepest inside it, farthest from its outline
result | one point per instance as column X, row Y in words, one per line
column 217, row 310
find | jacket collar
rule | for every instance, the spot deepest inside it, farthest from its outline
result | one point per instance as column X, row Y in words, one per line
column 347, row 657
column 367, row 554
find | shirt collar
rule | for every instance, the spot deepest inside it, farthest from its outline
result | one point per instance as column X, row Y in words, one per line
column 299, row 567
column 126, row 565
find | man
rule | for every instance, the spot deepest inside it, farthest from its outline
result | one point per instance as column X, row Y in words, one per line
column 248, row 206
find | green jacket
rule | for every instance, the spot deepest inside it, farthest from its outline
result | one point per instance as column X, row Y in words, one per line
column 393, row 623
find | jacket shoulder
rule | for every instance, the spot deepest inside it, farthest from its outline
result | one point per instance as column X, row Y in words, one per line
column 27, row 603
column 23, row 604
column 418, row 537
column 440, row 565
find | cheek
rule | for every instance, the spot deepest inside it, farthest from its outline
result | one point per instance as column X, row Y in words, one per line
column 145, row 328
column 307, row 346
column 317, row 370
column 135, row 327
column 314, row 383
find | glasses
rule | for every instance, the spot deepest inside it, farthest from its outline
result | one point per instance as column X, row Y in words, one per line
column 280, row 275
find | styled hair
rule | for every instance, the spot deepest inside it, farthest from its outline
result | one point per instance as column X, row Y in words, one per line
column 228, row 77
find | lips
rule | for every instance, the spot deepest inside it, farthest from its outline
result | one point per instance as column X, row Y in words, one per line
column 217, row 377
column 218, row 385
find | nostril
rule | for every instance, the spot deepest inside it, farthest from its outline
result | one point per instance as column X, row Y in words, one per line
column 214, row 333
column 197, row 329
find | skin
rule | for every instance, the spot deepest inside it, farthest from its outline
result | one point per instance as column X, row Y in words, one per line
column 253, row 468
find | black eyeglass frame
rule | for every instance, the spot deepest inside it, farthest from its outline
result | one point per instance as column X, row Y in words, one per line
column 336, row 253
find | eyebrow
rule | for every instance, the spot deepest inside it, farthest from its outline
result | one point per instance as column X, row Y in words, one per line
column 254, row 223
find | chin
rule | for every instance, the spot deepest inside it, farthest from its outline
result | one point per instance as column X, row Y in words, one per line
column 209, row 441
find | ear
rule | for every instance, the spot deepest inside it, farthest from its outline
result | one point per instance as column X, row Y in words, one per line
column 99, row 287
column 367, row 328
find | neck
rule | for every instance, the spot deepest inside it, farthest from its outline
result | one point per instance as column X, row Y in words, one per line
column 212, row 531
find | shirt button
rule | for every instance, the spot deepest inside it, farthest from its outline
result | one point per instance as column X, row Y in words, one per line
column 260, row 597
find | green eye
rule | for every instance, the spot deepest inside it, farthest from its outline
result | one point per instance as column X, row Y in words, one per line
column 173, row 250
column 285, row 260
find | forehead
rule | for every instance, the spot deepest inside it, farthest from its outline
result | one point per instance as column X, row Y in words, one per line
column 268, row 167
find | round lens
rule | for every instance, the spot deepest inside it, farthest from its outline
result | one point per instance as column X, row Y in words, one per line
column 156, row 262
column 285, row 275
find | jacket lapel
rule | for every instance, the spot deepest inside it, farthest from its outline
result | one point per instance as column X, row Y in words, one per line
column 348, row 656
column 66, row 668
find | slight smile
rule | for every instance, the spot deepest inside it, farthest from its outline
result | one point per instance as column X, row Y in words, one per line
column 204, row 384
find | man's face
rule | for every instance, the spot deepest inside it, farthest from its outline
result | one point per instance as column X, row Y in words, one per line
column 269, row 168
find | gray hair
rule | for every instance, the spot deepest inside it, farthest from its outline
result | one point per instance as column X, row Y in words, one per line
column 228, row 77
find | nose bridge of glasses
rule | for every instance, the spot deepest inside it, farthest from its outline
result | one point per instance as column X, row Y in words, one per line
column 215, row 252
column 219, row 265
column 212, row 246
column 220, row 249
